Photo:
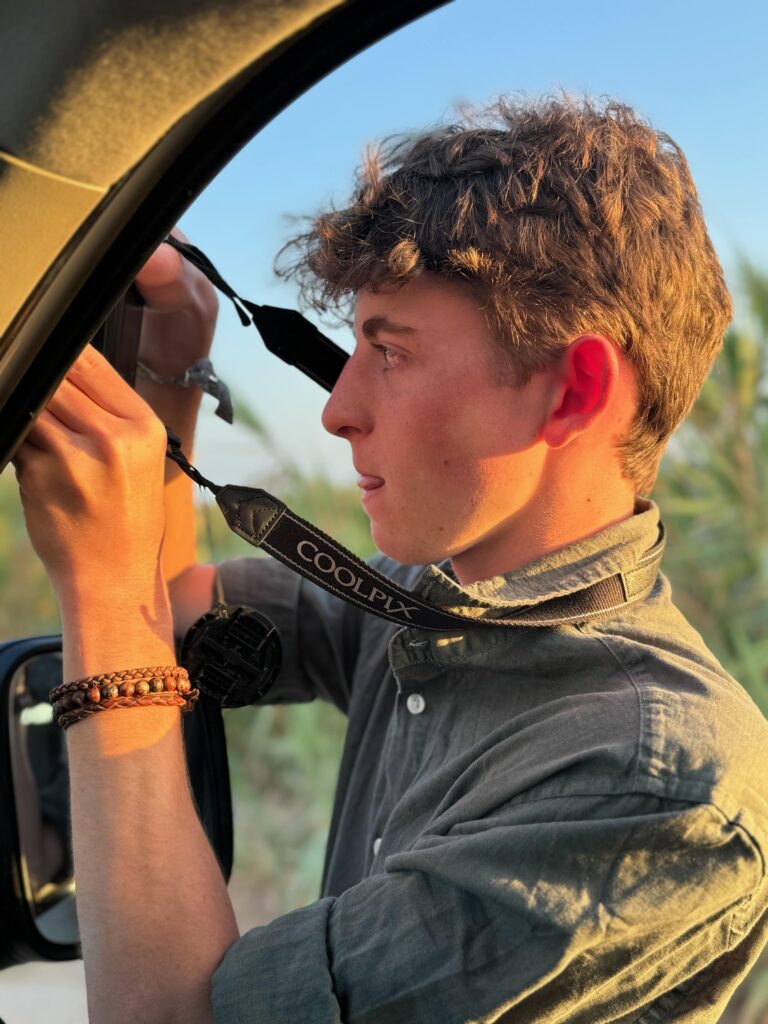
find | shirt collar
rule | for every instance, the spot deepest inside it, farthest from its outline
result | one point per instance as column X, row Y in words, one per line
column 615, row 549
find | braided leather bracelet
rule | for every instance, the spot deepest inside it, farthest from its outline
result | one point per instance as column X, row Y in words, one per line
column 138, row 687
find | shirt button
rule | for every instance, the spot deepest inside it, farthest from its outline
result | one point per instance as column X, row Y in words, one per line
column 415, row 703
column 376, row 846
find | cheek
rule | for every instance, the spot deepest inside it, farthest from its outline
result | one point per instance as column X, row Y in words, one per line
column 435, row 462
column 457, row 441
column 454, row 441
column 440, row 448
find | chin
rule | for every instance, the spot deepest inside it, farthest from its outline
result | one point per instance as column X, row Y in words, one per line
column 407, row 550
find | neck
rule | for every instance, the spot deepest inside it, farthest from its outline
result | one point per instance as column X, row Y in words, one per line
column 543, row 526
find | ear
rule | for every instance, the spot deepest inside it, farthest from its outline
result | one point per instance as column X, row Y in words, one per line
column 585, row 377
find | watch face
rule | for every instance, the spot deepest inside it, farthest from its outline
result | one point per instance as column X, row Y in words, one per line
column 233, row 655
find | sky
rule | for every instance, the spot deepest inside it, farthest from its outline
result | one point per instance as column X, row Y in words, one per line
column 695, row 68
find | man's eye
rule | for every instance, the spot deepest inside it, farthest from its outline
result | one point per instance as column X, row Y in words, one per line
column 390, row 357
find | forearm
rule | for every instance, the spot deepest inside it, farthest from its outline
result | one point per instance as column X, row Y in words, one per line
column 155, row 917
column 177, row 330
column 177, row 408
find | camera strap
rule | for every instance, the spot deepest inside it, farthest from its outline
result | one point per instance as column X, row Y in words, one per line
column 266, row 522
column 285, row 332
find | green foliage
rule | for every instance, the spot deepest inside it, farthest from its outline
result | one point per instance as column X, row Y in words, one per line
column 27, row 602
column 284, row 763
column 713, row 494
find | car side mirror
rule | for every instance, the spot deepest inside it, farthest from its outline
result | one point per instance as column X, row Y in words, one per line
column 38, row 907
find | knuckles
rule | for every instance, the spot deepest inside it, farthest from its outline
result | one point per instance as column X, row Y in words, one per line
column 205, row 297
column 154, row 431
column 132, row 443
column 127, row 448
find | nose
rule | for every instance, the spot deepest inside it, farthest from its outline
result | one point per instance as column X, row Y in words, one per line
column 348, row 411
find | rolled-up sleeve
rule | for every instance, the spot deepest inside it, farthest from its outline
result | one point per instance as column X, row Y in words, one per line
column 545, row 920
column 318, row 632
column 279, row 972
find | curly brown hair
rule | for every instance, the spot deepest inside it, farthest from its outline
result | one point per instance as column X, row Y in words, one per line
column 565, row 217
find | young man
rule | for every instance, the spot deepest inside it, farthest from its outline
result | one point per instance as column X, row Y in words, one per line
column 562, row 823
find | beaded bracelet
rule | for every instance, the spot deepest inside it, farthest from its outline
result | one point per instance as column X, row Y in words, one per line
column 138, row 687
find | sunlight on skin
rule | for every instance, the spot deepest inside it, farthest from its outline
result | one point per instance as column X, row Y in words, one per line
column 92, row 646
column 109, row 734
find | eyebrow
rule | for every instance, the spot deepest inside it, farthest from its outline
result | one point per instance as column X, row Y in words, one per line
column 376, row 324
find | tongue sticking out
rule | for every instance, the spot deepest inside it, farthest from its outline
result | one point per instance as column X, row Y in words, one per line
column 369, row 483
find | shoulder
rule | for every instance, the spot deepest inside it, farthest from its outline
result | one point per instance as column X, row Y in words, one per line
column 699, row 735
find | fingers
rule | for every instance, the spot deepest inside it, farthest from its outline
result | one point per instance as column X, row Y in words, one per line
column 64, row 450
column 48, row 436
column 93, row 376
column 34, row 443
column 78, row 412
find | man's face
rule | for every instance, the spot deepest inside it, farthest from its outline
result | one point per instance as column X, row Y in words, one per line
column 458, row 454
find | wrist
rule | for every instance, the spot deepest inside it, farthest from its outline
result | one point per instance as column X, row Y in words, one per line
column 172, row 340
column 169, row 377
column 115, row 631
column 200, row 374
column 176, row 407
column 166, row 382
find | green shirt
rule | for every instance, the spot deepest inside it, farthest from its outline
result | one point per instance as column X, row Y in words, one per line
column 531, row 824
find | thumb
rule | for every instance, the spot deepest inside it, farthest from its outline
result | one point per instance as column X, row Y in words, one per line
column 161, row 280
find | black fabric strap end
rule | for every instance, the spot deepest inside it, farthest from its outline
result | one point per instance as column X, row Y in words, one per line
column 175, row 454
column 251, row 513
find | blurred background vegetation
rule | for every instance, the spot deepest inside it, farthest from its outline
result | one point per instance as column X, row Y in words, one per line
column 712, row 491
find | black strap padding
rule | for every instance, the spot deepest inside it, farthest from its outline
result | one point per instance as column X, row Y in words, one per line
column 266, row 522
column 285, row 332
column 294, row 339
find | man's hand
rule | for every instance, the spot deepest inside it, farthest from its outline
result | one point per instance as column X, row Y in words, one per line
column 91, row 478
column 97, row 490
column 180, row 313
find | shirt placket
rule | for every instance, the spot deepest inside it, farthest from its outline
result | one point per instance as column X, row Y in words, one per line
column 412, row 718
